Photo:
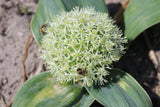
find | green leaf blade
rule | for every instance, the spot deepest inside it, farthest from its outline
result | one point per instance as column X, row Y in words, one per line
column 120, row 91
column 140, row 15
column 43, row 91
column 46, row 11
column 99, row 5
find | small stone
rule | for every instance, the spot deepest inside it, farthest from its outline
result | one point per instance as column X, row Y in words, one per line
column 4, row 81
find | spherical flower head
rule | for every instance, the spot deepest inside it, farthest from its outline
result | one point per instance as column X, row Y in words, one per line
column 80, row 45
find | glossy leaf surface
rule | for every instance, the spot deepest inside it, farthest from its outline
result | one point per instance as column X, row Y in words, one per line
column 140, row 15
column 121, row 91
column 43, row 91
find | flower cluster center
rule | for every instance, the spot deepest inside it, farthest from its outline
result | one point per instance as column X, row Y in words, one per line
column 80, row 45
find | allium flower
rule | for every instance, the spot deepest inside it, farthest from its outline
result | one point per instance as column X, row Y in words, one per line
column 80, row 45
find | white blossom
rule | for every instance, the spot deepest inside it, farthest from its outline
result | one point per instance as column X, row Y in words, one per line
column 84, row 39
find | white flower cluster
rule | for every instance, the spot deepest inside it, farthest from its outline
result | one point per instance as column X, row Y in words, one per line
column 80, row 45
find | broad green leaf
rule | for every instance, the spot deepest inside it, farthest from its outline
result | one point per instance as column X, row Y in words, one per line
column 140, row 15
column 43, row 91
column 99, row 5
column 85, row 101
column 121, row 91
column 47, row 9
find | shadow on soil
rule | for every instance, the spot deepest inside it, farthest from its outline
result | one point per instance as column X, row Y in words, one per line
column 137, row 62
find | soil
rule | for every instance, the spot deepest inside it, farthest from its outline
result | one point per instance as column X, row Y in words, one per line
column 141, row 60
column 14, row 33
